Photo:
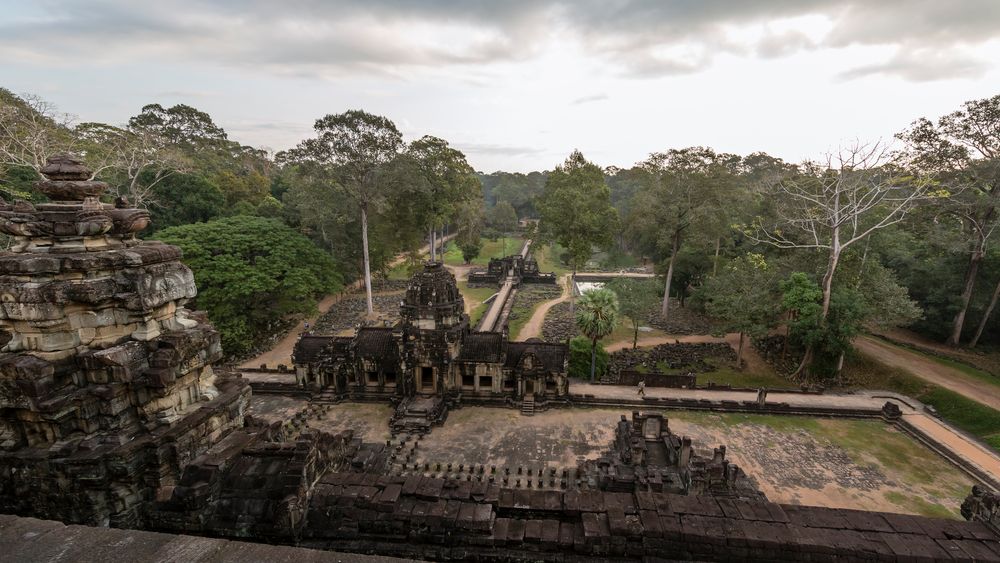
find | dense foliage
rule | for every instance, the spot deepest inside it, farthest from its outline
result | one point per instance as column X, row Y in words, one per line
column 867, row 238
column 250, row 272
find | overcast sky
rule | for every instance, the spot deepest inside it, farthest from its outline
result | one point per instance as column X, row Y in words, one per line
column 518, row 84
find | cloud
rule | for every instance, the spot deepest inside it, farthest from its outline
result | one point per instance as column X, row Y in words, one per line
column 589, row 99
column 922, row 65
column 640, row 38
column 497, row 150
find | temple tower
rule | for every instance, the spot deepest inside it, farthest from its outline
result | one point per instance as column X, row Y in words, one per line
column 433, row 323
column 106, row 382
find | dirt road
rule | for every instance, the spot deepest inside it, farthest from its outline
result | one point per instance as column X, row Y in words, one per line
column 533, row 328
column 931, row 371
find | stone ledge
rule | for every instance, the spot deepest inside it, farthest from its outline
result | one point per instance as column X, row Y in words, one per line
column 30, row 539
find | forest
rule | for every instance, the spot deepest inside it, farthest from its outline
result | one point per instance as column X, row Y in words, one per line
column 874, row 235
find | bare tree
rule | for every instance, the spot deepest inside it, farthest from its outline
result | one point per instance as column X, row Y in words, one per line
column 32, row 130
column 836, row 203
column 134, row 161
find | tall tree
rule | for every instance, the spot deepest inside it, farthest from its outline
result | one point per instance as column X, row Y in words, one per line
column 681, row 194
column 355, row 148
column 596, row 318
column 576, row 211
column 962, row 150
column 743, row 297
column 503, row 219
column 448, row 181
column 636, row 300
column 835, row 204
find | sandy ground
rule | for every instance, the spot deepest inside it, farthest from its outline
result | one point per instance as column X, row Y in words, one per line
column 533, row 328
column 929, row 370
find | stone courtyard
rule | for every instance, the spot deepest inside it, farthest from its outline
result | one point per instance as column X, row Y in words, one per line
column 856, row 464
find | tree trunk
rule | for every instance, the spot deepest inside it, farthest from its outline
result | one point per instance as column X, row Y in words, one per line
column 665, row 309
column 364, row 247
column 715, row 261
column 831, row 269
column 986, row 316
column 572, row 291
column 970, row 283
column 635, row 334
column 739, row 353
column 433, row 245
column 593, row 359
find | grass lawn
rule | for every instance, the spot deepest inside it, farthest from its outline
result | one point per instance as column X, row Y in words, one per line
column 548, row 259
column 624, row 332
column 927, row 479
column 491, row 249
column 475, row 296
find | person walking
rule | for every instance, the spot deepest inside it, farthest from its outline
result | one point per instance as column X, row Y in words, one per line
column 642, row 388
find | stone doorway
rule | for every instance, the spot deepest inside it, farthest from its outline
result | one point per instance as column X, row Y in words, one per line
column 529, row 386
column 426, row 380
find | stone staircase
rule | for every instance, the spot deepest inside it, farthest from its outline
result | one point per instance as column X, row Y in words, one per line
column 528, row 405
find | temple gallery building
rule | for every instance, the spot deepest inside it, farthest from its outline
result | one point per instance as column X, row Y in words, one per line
column 432, row 352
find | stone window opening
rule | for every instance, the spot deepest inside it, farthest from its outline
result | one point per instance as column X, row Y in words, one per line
column 468, row 380
column 486, row 382
column 390, row 378
column 373, row 378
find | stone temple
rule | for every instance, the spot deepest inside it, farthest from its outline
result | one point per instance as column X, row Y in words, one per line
column 106, row 382
column 431, row 359
column 111, row 415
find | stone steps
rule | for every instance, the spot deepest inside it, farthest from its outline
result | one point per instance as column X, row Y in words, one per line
column 528, row 405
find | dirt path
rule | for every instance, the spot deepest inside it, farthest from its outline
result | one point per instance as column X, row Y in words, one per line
column 281, row 352
column 931, row 371
column 985, row 360
column 533, row 328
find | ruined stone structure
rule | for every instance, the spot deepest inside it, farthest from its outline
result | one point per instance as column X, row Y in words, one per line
column 431, row 358
column 646, row 455
column 478, row 519
column 517, row 266
column 106, row 382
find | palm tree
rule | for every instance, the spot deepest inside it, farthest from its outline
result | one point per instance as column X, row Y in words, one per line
column 596, row 317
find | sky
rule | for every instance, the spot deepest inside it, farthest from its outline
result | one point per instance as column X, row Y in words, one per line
column 518, row 84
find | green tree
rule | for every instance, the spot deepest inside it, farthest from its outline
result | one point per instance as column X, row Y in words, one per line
column 469, row 223
column 503, row 219
column 744, row 297
column 596, row 317
column 448, row 180
column 251, row 271
column 835, row 204
column 575, row 210
column 355, row 150
column 962, row 152
column 683, row 192
column 636, row 300
column 179, row 199
column 581, row 355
